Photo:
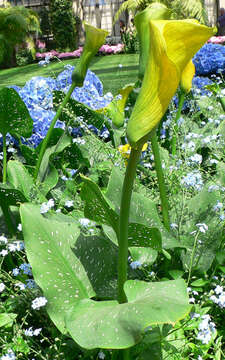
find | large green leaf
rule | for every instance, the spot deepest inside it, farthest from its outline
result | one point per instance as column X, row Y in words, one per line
column 143, row 210
column 56, row 269
column 61, row 143
column 19, row 177
column 7, row 319
column 98, row 256
column 199, row 210
column 10, row 196
column 78, row 110
column 107, row 324
column 97, row 207
column 14, row 115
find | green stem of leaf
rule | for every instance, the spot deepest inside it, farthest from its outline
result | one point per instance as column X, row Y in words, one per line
column 175, row 132
column 49, row 133
column 124, row 221
column 4, row 159
column 161, row 181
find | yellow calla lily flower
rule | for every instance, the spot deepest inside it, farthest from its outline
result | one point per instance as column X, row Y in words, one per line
column 115, row 109
column 94, row 39
column 187, row 77
column 173, row 44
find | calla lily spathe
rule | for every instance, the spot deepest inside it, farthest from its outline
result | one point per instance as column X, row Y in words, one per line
column 94, row 39
column 173, row 43
column 187, row 77
column 155, row 11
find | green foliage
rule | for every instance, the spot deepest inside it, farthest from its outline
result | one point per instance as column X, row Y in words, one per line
column 16, row 25
column 121, row 325
column 14, row 115
column 181, row 9
column 63, row 24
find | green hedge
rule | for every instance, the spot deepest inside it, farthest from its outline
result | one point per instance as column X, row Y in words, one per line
column 63, row 24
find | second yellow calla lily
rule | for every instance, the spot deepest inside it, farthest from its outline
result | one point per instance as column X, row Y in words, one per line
column 173, row 43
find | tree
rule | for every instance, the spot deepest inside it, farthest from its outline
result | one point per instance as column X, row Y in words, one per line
column 180, row 9
column 63, row 24
column 16, row 26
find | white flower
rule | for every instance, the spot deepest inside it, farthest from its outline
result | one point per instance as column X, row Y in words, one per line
column 2, row 287
column 19, row 227
column 39, row 302
column 16, row 246
column 202, row 227
column 9, row 356
column 45, row 207
column 69, row 203
column 4, row 252
column 3, row 239
column 218, row 289
column 101, row 355
column 84, row 221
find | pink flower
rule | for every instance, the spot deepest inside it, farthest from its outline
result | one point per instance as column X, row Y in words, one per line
column 217, row 40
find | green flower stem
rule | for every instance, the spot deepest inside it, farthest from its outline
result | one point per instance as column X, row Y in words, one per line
column 4, row 159
column 174, row 138
column 124, row 221
column 161, row 181
column 49, row 133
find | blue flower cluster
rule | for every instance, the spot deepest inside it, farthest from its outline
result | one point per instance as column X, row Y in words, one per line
column 210, row 59
column 37, row 94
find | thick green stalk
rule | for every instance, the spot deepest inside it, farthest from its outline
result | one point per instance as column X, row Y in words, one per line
column 4, row 159
column 49, row 133
column 161, row 181
column 124, row 221
column 174, row 138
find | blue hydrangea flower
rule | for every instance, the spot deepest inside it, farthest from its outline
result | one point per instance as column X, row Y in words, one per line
column 210, row 59
column 37, row 94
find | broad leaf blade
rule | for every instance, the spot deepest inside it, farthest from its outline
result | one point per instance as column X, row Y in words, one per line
column 19, row 177
column 97, row 208
column 10, row 196
column 143, row 210
column 14, row 115
column 55, row 268
column 99, row 256
column 107, row 324
column 7, row 319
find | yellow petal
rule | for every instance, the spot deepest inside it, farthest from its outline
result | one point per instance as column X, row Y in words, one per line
column 94, row 39
column 173, row 44
column 187, row 77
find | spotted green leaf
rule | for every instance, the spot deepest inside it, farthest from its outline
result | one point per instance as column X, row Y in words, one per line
column 98, row 256
column 14, row 115
column 56, row 269
column 143, row 210
column 10, row 196
column 19, row 177
column 6, row 319
column 107, row 324
column 97, row 207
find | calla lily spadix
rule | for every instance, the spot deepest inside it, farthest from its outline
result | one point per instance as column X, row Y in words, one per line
column 187, row 77
column 173, row 43
column 94, row 39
